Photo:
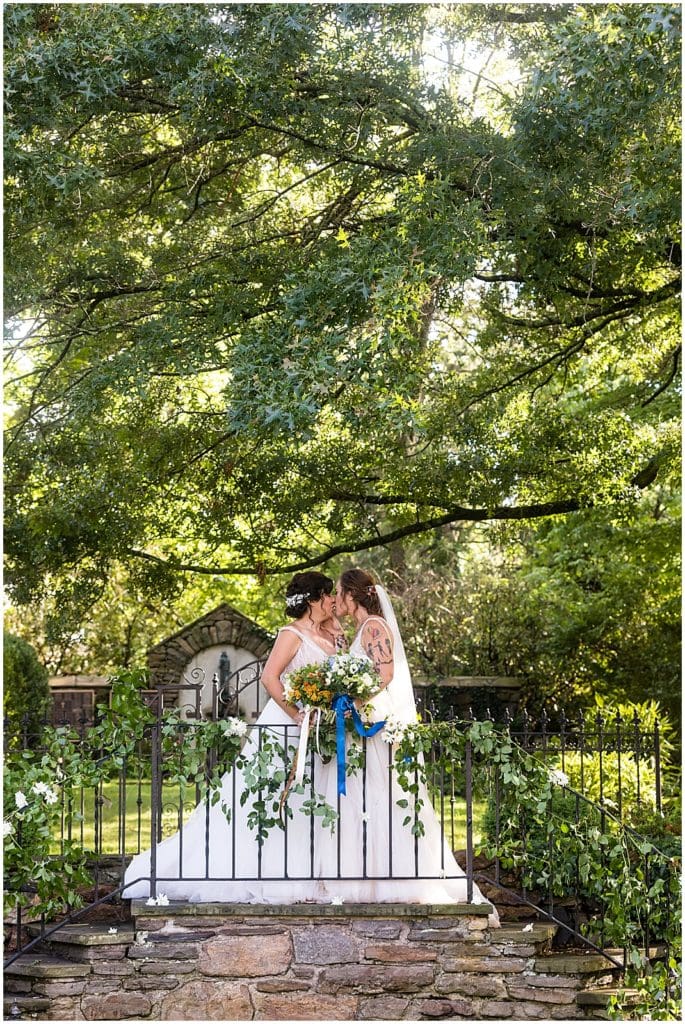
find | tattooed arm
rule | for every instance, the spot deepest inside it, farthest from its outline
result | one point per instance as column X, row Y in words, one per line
column 377, row 643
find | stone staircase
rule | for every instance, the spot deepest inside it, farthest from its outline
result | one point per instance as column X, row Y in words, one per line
column 307, row 962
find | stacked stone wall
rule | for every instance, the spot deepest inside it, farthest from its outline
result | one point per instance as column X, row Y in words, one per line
column 399, row 963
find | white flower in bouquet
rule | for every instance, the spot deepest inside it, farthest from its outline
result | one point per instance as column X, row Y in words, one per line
column 347, row 673
column 20, row 800
column 7, row 828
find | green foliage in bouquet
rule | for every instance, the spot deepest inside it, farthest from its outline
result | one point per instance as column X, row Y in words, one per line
column 318, row 685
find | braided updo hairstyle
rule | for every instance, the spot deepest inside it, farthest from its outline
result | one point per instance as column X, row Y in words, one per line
column 308, row 587
column 361, row 587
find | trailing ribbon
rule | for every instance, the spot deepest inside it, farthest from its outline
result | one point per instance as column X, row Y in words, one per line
column 341, row 705
column 299, row 761
column 301, row 756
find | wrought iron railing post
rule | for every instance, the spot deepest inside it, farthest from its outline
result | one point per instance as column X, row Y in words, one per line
column 468, row 796
column 25, row 719
column 636, row 754
column 602, row 813
column 599, row 721
column 215, row 698
column 619, row 781
column 562, row 738
column 524, row 735
column 121, row 832
column 657, row 765
column 99, row 803
column 390, row 810
column 543, row 729
column 155, row 793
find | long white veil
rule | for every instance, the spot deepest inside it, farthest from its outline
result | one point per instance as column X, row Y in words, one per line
column 399, row 690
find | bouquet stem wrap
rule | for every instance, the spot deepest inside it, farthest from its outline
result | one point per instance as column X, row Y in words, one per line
column 341, row 704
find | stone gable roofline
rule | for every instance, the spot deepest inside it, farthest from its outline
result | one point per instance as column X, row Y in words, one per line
column 222, row 627
column 223, row 613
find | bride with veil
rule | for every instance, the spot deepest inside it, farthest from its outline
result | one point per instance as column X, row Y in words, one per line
column 370, row 855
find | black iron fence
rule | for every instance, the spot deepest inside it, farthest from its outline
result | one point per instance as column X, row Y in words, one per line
column 605, row 777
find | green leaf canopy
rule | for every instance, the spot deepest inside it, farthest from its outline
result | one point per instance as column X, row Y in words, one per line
column 276, row 289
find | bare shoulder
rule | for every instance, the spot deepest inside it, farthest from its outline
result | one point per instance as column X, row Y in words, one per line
column 287, row 641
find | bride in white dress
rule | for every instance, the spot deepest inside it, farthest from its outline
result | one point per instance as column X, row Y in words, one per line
column 370, row 855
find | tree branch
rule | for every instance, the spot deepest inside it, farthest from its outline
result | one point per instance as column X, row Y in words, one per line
column 456, row 514
column 662, row 387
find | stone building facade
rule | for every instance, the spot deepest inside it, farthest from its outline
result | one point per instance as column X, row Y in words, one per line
column 224, row 644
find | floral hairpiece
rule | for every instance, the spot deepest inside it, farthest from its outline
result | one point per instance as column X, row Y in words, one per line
column 371, row 589
column 294, row 599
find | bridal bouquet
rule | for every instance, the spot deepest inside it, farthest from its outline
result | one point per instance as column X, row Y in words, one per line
column 330, row 691
column 316, row 686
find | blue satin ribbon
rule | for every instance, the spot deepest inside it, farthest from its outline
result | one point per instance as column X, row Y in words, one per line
column 341, row 704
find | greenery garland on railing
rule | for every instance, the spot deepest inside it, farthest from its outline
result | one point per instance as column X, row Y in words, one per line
column 550, row 836
column 38, row 786
column 557, row 841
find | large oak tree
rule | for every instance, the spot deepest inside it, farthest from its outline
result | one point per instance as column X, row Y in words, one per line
column 277, row 290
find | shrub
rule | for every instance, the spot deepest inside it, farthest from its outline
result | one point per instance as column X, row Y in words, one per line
column 26, row 697
column 616, row 774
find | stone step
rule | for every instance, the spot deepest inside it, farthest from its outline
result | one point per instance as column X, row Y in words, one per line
column 601, row 996
column 87, row 935
column 182, row 908
column 16, row 1007
column 42, row 965
column 577, row 963
column 523, row 933
column 589, row 962
column 595, row 1001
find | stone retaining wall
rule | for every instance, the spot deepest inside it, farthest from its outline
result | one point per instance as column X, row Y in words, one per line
column 398, row 962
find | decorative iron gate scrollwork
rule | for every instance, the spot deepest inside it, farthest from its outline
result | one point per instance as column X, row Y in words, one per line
column 226, row 696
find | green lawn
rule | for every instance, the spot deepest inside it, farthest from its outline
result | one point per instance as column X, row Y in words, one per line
column 455, row 822
column 137, row 822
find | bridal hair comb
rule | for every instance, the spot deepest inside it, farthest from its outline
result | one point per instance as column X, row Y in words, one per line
column 294, row 599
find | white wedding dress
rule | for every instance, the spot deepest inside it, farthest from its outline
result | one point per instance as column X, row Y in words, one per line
column 371, row 856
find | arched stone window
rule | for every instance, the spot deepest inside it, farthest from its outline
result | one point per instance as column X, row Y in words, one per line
column 221, row 642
